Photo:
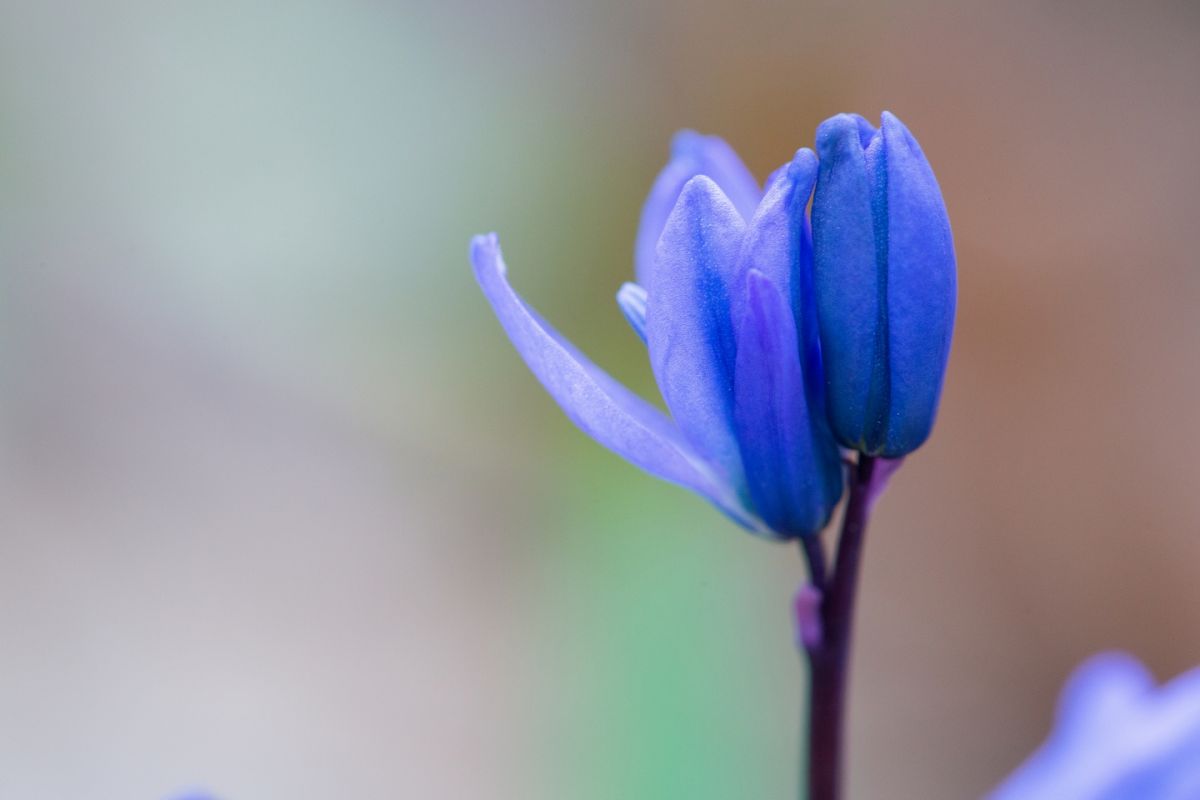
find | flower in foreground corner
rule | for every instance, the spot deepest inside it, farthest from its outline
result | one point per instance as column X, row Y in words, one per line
column 885, row 283
column 1117, row 737
column 725, row 306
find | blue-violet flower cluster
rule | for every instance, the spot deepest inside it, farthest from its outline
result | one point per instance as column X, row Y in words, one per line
column 774, row 337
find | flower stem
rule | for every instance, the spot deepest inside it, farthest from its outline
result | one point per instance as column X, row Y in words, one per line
column 829, row 660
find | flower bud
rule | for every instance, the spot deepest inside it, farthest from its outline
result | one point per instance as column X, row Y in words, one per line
column 884, row 278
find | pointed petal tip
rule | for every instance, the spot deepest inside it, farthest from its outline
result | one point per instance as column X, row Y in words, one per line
column 702, row 199
column 699, row 182
column 891, row 124
column 701, row 192
column 896, row 131
column 692, row 154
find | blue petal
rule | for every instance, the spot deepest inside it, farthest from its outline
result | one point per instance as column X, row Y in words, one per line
column 921, row 289
column 775, row 175
column 599, row 405
column 692, row 154
column 792, row 462
column 850, row 290
column 1102, row 691
column 688, row 326
column 778, row 242
column 1117, row 737
column 631, row 299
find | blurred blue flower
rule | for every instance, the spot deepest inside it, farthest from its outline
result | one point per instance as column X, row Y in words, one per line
column 1117, row 737
column 725, row 305
column 885, row 283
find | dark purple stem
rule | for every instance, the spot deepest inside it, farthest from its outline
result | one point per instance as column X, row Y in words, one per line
column 829, row 662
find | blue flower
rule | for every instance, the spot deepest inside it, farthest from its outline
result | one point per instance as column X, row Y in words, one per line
column 885, row 283
column 1117, row 737
column 725, row 305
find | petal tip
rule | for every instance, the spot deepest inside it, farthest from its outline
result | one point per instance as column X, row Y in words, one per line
column 686, row 142
column 840, row 130
column 699, row 182
column 700, row 192
column 1103, row 675
column 803, row 167
column 485, row 253
column 897, row 132
column 891, row 124
column 1109, row 667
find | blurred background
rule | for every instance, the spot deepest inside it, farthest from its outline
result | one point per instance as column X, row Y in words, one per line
column 282, row 514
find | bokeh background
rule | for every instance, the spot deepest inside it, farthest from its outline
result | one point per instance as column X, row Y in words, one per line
column 283, row 515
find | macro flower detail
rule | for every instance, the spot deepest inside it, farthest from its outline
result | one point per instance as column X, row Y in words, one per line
column 885, row 283
column 692, row 154
column 1117, row 737
column 726, row 310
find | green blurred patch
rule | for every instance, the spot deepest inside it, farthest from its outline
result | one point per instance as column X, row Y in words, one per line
column 671, row 642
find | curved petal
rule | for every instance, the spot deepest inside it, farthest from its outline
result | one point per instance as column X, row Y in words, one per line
column 688, row 326
column 921, row 288
column 778, row 242
column 593, row 400
column 849, row 288
column 692, row 154
column 793, row 466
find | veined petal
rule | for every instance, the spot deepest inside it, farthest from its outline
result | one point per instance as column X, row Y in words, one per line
column 850, row 289
column 692, row 154
column 631, row 299
column 793, row 466
column 593, row 400
column 688, row 326
column 921, row 288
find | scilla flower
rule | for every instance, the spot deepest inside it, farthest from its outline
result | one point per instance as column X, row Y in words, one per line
column 1117, row 737
column 885, row 283
column 724, row 304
